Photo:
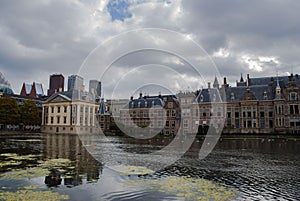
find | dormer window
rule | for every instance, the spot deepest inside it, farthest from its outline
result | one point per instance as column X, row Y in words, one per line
column 139, row 104
column 132, row 104
column 152, row 103
column 146, row 104
column 265, row 95
column 201, row 98
column 232, row 96
column 214, row 98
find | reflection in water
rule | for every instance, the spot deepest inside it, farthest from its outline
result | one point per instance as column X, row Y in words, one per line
column 82, row 163
column 53, row 179
column 255, row 167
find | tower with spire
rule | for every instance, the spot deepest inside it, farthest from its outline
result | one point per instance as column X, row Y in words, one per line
column 102, row 108
column 241, row 83
column 216, row 83
column 277, row 90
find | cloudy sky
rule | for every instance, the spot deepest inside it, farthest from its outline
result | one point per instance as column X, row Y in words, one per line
column 188, row 43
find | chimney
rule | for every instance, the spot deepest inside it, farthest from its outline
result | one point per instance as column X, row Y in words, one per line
column 131, row 98
column 60, row 89
column 141, row 95
column 225, row 81
column 208, row 85
column 248, row 79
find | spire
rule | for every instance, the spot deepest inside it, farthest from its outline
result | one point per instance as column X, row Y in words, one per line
column 216, row 83
column 242, row 79
column 102, row 109
column 278, row 89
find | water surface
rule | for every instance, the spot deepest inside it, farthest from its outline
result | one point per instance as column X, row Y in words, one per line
column 239, row 168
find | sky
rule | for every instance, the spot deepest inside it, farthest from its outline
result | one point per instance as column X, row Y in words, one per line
column 148, row 45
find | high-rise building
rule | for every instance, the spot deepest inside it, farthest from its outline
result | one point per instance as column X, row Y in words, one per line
column 75, row 82
column 95, row 87
column 56, row 83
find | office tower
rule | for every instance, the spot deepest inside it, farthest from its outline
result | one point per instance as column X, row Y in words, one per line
column 95, row 87
column 56, row 83
column 75, row 82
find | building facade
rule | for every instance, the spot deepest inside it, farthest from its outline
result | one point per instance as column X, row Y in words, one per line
column 256, row 105
column 95, row 87
column 56, row 83
column 75, row 82
column 158, row 113
column 62, row 114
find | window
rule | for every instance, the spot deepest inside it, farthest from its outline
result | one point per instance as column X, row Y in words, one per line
column 173, row 113
column 293, row 96
column 270, row 113
column 185, row 123
column 52, row 109
column 173, row 124
column 52, row 120
column 249, row 124
column 65, row 120
column 58, row 109
column 167, row 123
column 270, row 123
column 236, row 114
column 170, row 105
column 65, row 109
column 201, row 98
column 58, row 120
column 228, row 114
column 248, row 114
column 204, row 112
column 262, row 114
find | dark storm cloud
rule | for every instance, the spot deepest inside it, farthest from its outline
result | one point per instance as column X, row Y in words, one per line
column 44, row 37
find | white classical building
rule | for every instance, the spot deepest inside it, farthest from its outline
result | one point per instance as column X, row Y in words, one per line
column 62, row 114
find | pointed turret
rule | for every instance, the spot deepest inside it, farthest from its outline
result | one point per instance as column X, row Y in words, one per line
column 278, row 90
column 242, row 79
column 102, row 109
column 216, row 83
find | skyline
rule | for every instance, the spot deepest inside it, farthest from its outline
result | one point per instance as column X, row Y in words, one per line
column 47, row 37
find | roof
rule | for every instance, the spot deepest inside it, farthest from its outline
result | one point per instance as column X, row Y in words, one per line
column 262, row 92
column 39, row 89
column 209, row 95
column 267, row 80
column 145, row 103
column 28, row 88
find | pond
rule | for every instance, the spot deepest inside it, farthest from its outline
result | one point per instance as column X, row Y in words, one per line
column 59, row 167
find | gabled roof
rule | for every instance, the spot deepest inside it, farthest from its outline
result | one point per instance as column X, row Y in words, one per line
column 59, row 97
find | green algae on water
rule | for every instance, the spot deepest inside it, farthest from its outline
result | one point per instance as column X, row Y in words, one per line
column 31, row 195
column 187, row 187
column 28, row 173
